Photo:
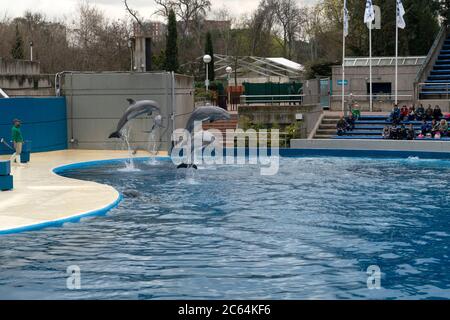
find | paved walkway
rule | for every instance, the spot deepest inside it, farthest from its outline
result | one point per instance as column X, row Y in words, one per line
column 40, row 196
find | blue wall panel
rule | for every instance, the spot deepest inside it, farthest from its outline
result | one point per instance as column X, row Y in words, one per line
column 44, row 122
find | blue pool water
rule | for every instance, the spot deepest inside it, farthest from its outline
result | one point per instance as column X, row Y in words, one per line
column 226, row 232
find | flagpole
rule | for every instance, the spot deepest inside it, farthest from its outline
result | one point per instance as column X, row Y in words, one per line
column 396, row 54
column 370, row 65
column 343, row 60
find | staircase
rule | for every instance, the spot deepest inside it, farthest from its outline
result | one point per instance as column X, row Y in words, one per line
column 436, row 79
column 327, row 129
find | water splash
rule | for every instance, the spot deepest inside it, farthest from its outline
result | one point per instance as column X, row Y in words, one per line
column 153, row 148
column 129, row 163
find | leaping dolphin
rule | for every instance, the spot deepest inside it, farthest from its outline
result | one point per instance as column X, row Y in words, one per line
column 207, row 113
column 201, row 114
column 136, row 109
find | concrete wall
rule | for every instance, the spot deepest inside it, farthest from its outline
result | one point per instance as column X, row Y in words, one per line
column 358, row 77
column 96, row 102
column 43, row 122
column 311, row 90
column 27, row 85
column 23, row 67
column 23, row 78
column 283, row 115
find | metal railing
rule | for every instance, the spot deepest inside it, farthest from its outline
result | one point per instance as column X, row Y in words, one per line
column 380, row 97
column 3, row 94
column 272, row 99
column 442, row 90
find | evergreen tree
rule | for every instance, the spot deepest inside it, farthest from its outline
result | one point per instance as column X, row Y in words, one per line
column 210, row 50
column 17, row 50
column 444, row 10
column 171, row 60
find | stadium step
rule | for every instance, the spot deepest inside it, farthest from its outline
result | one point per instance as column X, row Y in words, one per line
column 327, row 129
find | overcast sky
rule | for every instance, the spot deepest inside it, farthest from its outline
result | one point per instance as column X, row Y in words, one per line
column 113, row 8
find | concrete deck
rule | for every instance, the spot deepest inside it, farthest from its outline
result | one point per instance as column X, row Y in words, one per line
column 412, row 146
column 41, row 197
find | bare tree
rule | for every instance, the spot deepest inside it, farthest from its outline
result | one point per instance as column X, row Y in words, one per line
column 290, row 18
column 134, row 14
column 261, row 26
column 188, row 11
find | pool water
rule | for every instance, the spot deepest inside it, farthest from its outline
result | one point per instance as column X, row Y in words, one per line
column 226, row 232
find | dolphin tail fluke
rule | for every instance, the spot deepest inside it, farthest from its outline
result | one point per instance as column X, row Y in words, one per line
column 186, row 166
column 115, row 135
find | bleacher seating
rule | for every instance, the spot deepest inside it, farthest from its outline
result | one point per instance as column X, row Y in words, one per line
column 436, row 86
column 371, row 127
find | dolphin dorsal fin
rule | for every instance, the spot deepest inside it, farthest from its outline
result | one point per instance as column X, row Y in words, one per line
column 131, row 101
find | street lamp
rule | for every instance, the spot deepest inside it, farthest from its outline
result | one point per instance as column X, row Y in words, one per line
column 130, row 47
column 229, row 70
column 31, row 50
column 207, row 59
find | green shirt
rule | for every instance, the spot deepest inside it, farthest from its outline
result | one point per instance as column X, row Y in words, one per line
column 16, row 134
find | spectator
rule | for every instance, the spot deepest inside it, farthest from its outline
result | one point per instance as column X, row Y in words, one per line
column 395, row 115
column 404, row 113
column 420, row 113
column 437, row 113
column 443, row 127
column 350, row 122
column 394, row 132
column 341, row 126
column 429, row 113
column 426, row 128
column 411, row 114
column 403, row 133
column 387, row 132
column 434, row 127
column 411, row 134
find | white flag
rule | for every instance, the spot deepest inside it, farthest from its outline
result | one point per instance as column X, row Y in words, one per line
column 345, row 19
column 400, row 13
column 369, row 14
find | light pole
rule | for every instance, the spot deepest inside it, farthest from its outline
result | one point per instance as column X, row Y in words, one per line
column 130, row 46
column 229, row 70
column 31, row 50
column 207, row 59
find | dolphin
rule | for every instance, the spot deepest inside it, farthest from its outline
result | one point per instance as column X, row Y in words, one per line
column 201, row 114
column 207, row 113
column 136, row 109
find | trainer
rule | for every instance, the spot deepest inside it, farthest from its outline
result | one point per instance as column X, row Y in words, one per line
column 17, row 139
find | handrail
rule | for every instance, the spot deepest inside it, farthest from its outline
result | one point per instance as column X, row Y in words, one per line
column 367, row 95
column 433, row 83
column 280, row 98
column 272, row 95
column 3, row 94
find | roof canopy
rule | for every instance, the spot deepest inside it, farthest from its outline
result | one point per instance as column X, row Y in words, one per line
column 248, row 66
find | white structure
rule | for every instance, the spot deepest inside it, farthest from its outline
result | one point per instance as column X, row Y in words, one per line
column 256, row 69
